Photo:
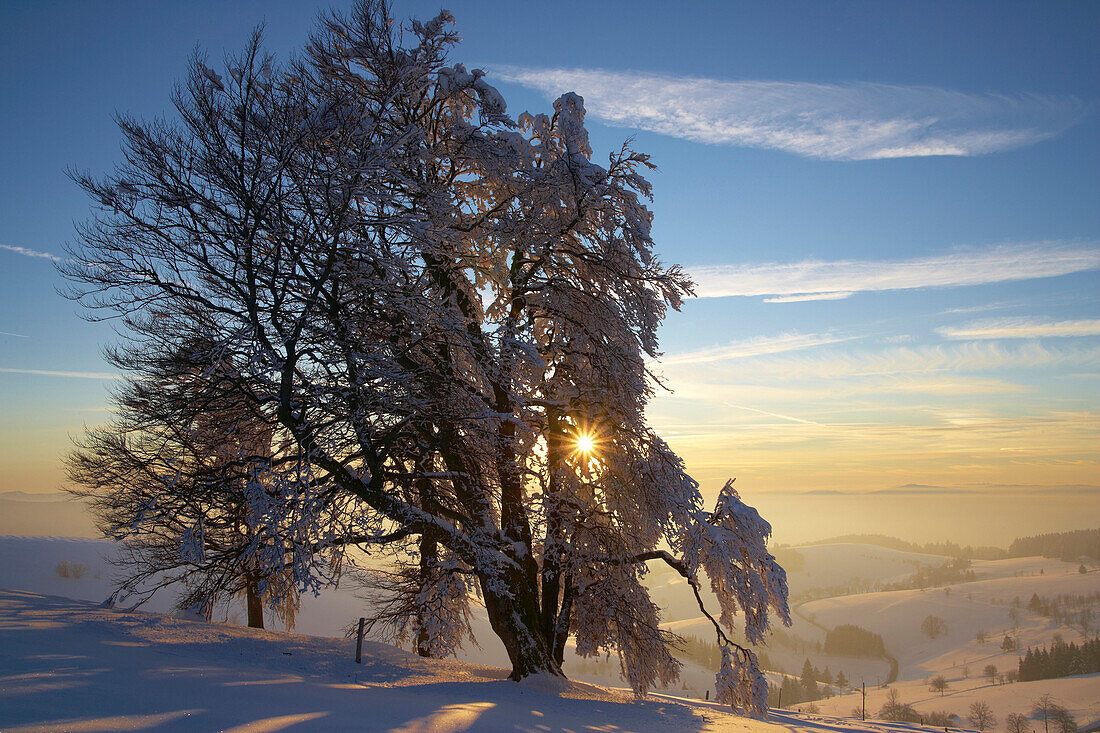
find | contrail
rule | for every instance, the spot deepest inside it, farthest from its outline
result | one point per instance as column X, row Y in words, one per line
column 776, row 414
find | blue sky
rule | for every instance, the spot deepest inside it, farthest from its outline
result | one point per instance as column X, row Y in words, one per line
column 891, row 210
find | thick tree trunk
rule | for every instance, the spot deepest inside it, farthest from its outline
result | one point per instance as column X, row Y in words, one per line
column 517, row 621
column 254, row 603
column 428, row 558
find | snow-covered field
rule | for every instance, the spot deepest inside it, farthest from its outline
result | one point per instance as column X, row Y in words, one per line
column 847, row 563
column 967, row 609
column 1079, row 695
column 958, row 655
column 68, row 665
column 39, row 565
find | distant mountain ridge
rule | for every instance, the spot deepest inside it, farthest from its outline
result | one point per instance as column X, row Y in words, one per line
column 54, row 514
column 29, row 496
column 1068, row 546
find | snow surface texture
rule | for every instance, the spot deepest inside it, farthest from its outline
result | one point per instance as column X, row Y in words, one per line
column 968, row 608
column 29, row 563
column 69, row 665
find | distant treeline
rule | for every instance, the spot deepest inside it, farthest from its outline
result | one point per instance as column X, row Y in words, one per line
column 708, row 654
column 805, row 689
column 1066, row 546
column 947, row 549
column 1061, row 660
column 1067, row 608
column 790, row 559
column 953, row 571
column 854, row 641
column 928, row 576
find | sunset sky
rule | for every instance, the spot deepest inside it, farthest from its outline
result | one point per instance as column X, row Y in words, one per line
column 891, row 212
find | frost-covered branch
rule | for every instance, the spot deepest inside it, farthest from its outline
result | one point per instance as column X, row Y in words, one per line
column 419, row 306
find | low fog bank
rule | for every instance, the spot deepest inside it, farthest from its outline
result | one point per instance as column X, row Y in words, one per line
column 55, row 514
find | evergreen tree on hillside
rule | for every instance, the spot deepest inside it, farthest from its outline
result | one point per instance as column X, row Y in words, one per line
column 1060, row 660
column 809, row 681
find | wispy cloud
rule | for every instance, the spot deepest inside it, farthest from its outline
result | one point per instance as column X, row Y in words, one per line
column 30, row 252
column 808, row 296
column 816, row 280
column 828, row 374
column 754, row 347
column 1020, row 328
column 52, row 373
column 955, row 359
column 852, row 121
column 708, row 391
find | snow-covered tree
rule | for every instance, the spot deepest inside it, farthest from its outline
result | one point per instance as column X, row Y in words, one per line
column 448, row 314
column 182, row 476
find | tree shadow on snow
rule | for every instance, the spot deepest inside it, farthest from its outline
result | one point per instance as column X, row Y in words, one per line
column 67, row 665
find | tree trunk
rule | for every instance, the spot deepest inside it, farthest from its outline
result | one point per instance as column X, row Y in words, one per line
column 254, row 603
column 428, row 558
column 551, row 556
column 517, row 621
column 561, row 627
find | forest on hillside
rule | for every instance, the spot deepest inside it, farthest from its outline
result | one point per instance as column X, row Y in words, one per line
column 1068, row 546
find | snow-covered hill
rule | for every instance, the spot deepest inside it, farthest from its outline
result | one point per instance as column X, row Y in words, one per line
column 79, row 568
column 966, row 609
column 1079, row 695
column 853, row 564
column 986, row 605
column 68, row 665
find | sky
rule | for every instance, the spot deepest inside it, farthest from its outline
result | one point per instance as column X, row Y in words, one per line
column 891, row 212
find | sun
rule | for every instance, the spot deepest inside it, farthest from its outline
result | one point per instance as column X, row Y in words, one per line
column 585, row 443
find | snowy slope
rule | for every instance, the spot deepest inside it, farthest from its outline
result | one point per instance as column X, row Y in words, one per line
column 1079, row 695
column 825, row 566
column 67, row 665
column 31, row 564
column 967, row 608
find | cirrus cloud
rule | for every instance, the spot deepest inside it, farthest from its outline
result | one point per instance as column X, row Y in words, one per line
column 30, row 252
column 754, row 347
column 1021, row 328
column 56, row 373
column 849, row 121
column 817, row 280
